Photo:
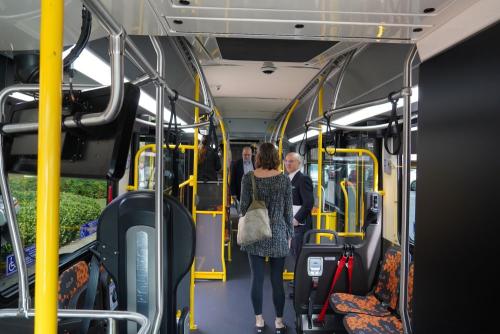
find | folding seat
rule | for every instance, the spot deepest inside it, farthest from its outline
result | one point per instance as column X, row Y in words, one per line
column 356, row 323
column 385, row 296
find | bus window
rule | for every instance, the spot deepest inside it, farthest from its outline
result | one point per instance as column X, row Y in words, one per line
column 82, row 201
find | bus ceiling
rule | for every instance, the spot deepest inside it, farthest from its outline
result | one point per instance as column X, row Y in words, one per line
column 259, row 60
column 403, row 22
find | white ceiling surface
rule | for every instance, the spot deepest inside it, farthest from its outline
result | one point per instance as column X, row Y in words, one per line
column 241, row 90
column 385, row 20
column 247, row 107
column 388, row 20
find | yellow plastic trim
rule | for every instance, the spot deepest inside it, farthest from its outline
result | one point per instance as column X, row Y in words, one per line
column 49, row 167
column 288, row 276
column 283, row 128
column 209, row 275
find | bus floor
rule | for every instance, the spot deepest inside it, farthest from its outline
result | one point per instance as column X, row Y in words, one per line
column 226, row 308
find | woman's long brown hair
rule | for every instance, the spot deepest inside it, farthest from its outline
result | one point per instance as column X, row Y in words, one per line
column 267, row 157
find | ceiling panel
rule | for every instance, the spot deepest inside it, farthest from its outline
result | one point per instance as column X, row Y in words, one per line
column 393, row 20
column 245, row 107
column 246, row 79
column 317, row 6
column 285, row 27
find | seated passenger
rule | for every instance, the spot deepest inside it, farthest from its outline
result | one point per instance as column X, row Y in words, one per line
column 208, row 162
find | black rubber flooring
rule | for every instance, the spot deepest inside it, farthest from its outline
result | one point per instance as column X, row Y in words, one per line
column 226, row 308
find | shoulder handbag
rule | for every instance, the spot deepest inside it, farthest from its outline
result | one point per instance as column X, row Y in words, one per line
column 254, row 225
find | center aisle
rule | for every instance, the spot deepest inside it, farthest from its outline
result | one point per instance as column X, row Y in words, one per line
column 226, row 308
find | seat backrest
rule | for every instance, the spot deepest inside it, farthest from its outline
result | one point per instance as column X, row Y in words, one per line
column 72, row 283
column 127, row 240
column 367, row 254
column 387, row 286
column 330, row 253
column 366, row 257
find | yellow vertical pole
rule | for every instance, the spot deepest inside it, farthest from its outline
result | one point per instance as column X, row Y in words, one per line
column 49, row 165
column 320, row 164
column 224, row 190
column 192, row 324
column 283, row 128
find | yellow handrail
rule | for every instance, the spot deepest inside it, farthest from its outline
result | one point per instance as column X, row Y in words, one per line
column 192, row 324
column 188, row 182
column 209, row 212
column 49, row 166
column 332, row 151
column 283, row 128
column 346, row 207
column 224, row 190
column 320, row 166
column 152, row 147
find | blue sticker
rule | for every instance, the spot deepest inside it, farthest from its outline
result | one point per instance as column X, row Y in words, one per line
column 29, row 256
column 88, row 228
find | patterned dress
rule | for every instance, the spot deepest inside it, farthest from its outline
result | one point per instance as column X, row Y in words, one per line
column 276, row 192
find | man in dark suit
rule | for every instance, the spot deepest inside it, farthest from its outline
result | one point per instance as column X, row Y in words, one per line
column 303, row 200
column 239, row 168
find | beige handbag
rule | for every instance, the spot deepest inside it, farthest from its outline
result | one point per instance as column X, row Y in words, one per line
column 254, row 225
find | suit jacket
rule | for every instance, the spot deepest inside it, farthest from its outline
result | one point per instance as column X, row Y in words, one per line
column 237, row 172
column 302, row 193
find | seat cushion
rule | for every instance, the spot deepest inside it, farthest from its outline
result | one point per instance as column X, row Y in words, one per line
column 347, row 303
column 369, row 324
column 72, row 282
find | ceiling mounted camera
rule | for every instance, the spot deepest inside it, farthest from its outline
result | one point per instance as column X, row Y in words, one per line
column 268, row 67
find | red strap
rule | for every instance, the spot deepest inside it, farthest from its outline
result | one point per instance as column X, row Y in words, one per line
column 340, row 266
column 350, row 267
column 110, row 193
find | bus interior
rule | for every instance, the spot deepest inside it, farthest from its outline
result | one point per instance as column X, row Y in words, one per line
column 108, row 224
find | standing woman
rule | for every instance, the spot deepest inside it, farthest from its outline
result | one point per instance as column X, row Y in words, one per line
column 275, row 189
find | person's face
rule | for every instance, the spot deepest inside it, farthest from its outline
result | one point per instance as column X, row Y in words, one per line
column 246, row 155
column 291, row 163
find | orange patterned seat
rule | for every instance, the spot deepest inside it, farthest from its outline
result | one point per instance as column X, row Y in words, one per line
column 383, row 299
column 72, row 282
column 369, row 324
column 356, row 323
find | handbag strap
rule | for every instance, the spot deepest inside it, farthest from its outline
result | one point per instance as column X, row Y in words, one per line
column 254, row 187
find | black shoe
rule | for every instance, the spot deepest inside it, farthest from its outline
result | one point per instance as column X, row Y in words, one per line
column 260, row 330
column 282, row 330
